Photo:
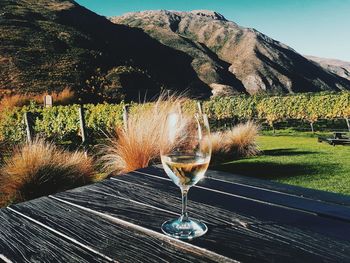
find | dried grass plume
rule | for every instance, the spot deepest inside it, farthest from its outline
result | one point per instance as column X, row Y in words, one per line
column 240, row 141
column 138, row 144
column 40, row 168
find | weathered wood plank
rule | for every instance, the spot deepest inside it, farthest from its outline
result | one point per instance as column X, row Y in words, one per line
column 24, row 241
column 233, row 203
column 324, row 196
column 234, row 232
column 252, row 190
column 115, row 239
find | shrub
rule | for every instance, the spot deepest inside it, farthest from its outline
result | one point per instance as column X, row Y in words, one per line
column 217, row 142
column 63, row 121
column 60, row 122
column 17, row 100
column 40, row 168
column 139, row 144
column 64, row 97
column 238, row 142
column 237, row 107
column 241, row 139
column 104, row 117
column 12, row 127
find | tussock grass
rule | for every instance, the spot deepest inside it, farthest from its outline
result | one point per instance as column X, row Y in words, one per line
column 139, row 144
column 40, row 168
column 63, row 97
column 217, row 142
column 15, row 100
column 3, row 150
column 240, row 141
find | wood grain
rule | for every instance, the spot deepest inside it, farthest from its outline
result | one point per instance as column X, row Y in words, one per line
column 241, row 204
column 23, row 241
column 318, row 207
column 238, row 228
column 317, row 195
column 118, row 241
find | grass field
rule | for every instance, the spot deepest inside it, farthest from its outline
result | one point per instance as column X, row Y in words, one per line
column 298, row 160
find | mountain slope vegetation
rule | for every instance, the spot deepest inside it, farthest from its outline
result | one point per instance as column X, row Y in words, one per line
column 50, row 45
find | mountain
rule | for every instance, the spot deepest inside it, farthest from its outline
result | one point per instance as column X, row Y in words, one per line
column 339, row 67
column 52, row 44
column 47, row 45
column 232, row 58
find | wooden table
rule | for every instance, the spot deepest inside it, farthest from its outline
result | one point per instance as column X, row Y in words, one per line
column 119, row 219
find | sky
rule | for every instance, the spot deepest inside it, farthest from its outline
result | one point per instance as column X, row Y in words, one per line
column 312, row 27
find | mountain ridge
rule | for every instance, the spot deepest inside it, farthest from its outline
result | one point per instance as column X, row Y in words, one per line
column 52, row 44
column 337, row 66
column 47, row 45
column 254, row 58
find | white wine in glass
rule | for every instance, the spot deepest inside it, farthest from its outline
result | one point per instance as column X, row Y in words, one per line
column 185, row 162
column 185, row 170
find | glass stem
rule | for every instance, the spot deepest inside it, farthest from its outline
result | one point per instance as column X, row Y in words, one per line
column 184, row 215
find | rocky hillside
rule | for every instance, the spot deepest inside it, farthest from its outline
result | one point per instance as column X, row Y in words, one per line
column 231, row 58
column 53, row 44
column 339, row 67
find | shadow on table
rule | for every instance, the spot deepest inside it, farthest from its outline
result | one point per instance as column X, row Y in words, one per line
column 271, row 170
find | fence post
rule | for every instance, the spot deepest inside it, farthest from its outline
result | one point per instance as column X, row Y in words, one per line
column 29, row 122
column 82, row 124
column 312, row 127
column 48, row 101
column 126, row 109
column 199, row 106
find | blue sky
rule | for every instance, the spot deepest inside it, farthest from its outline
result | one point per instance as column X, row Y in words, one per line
column 311, row 27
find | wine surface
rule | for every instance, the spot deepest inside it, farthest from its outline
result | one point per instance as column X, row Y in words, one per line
column 185, row 170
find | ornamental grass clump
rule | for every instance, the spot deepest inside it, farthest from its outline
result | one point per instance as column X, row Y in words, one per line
column 40, row 168
column 238, row 142
column 217, row 142
column 16, row 100
column 64, row 97
column 138, row 144
column 241, row 139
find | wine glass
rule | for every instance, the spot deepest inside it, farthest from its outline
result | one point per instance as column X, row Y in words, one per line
column 185, row 158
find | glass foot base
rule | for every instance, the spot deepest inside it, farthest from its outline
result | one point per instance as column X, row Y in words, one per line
column 185, row 230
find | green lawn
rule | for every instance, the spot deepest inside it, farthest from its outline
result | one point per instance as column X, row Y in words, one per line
column 298, row 160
